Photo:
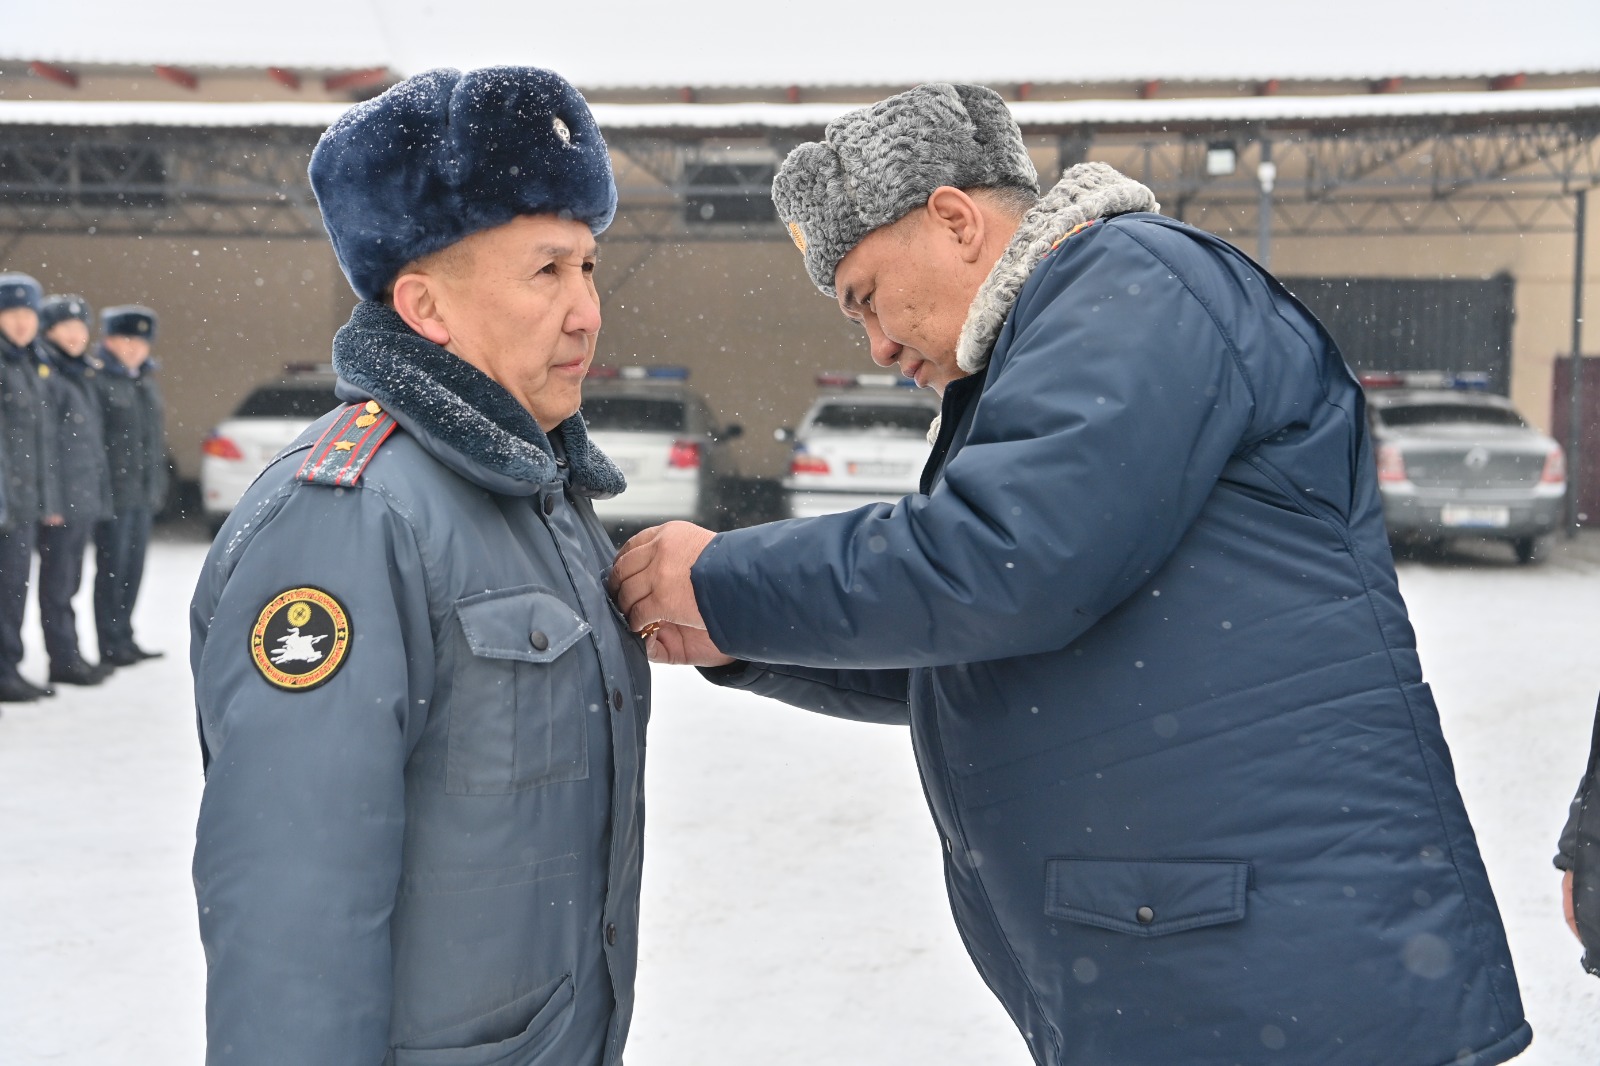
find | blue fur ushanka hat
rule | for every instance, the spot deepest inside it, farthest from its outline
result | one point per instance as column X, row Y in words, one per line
column 446, row 154
column 58, row 309
column 19, row 290
column 128, row 320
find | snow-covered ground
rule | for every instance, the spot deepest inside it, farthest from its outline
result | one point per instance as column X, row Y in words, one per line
column 794, row 910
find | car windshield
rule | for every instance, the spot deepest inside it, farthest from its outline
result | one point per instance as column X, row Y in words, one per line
column 288, row 401
column 1437, row 414
column 641, row 414
column 880, row 417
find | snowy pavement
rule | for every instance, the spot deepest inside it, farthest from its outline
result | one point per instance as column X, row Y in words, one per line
column 794, row 909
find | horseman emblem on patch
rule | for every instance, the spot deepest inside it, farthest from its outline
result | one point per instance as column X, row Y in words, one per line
column 301, row 638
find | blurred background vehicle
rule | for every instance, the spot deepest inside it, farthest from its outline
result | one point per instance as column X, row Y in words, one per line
column 864, row 440
column 1456, row 461
column 266, row 421
column 667, row 443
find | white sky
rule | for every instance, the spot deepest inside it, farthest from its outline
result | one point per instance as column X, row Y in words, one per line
column 732, row 42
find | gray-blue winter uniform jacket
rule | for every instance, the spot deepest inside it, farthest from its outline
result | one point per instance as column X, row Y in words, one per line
column 428, row 851
column 1143, row 621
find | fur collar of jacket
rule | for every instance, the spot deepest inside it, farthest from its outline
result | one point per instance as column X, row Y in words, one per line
column 1086, row 192
column 443, row 396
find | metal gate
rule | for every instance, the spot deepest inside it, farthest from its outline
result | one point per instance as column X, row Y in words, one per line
column 1587, row 464
column 1452, row 324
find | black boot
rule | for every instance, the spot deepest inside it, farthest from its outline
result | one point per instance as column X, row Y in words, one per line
column 121, row 657
column 15, row 690
column 76, row 672
column 142, row 654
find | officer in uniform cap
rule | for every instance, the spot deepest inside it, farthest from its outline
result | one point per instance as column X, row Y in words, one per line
column 422, row 721
column 32, row 488
column 85, row 479
column 136, row 451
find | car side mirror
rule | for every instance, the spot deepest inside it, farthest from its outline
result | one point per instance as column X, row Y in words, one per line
column 783, row 434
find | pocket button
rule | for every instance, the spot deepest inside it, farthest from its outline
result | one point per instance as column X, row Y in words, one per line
column 611, row 934
column 616, row 700
column 538, row 639
column 1145, row 915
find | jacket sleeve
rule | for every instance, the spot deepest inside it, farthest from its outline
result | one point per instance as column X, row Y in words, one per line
column 51, row 496
column 856, row 695
column 1567, row 846
column 1094, row 445
column 298, row 846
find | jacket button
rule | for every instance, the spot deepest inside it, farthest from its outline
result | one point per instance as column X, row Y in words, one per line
column 1145, row 915
column 550, row 504
column 616, row 699
column 539, row 641
column 611, row 934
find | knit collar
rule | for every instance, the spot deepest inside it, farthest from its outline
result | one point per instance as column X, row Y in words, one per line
column 1087, row 192
column 442, row 398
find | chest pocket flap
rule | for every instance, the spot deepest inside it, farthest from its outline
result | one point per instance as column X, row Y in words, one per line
column 1149, row 897
column 527, row 624
column 519, row 710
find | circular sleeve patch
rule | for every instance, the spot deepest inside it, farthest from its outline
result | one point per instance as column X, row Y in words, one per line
column 301, row 638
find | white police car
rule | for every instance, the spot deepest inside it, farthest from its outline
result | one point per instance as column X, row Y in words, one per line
column 1455, row 461
column 266, row 421
column 666, row 441
column 864, row 440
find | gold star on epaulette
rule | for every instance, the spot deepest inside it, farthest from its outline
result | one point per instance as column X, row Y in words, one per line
column 343, row 445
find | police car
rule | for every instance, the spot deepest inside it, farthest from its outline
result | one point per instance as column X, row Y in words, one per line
column 864, row 440
column 666, row 441
column 1456, row 461
column 266, row 421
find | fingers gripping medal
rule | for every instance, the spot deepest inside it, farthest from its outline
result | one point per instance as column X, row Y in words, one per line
column 300, row 639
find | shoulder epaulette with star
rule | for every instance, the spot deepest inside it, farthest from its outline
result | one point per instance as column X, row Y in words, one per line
column 347, row 446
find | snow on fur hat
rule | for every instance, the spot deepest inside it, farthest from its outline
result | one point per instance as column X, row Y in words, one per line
column 876, row 165
column 128, row 320
column 19, row 290
column 444, row 154
column 58, row 309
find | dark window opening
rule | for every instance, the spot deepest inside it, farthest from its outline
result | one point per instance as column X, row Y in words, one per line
column 886, row 418
column 641, row 414
column 1432, row 414
column 282, row 401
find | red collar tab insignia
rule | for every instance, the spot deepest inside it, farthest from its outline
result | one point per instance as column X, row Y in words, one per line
column 1073, row 232
column 301, row 638
column 347, row 446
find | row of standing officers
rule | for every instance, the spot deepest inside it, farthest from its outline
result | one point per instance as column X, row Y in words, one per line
column 82, row 458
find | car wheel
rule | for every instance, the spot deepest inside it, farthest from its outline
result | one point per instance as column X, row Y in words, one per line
column 1527, row 549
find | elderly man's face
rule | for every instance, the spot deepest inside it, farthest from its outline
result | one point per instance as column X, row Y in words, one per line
column 70, row 335
column 19, row 325
column 910, row 293
column 519, row 303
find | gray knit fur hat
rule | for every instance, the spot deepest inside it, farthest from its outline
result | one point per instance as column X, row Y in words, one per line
column 876, row 165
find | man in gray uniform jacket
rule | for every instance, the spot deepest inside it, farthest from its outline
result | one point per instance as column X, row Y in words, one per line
column 423, row 722
column 33, row 486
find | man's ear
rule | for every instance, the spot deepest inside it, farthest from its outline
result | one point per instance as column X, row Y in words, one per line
column 416, row 303
column 957, row 215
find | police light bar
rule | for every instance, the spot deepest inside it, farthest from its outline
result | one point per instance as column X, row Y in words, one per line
column 639, row 373
column 842, row 380
column 1466, row 381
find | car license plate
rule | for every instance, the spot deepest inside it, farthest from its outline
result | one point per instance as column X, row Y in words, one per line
column 867, row 469
column 1463, row 516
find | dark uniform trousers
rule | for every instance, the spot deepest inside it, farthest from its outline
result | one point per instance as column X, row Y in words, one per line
column 61, row 550
column 16, row 558
column 119, row 547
